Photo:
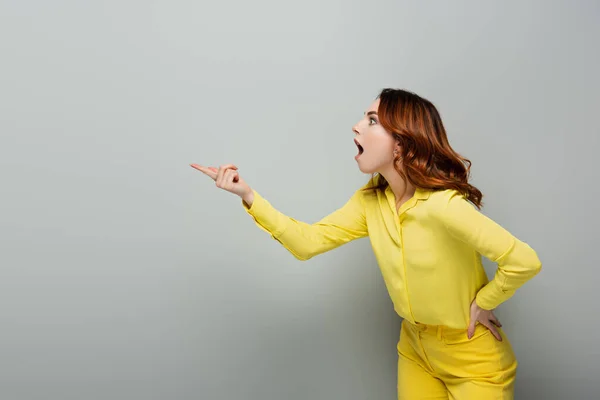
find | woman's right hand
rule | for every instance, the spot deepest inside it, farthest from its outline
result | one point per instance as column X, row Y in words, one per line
column 227, row 177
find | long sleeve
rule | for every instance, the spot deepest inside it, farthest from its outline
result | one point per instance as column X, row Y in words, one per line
column 305, row 240
column 517, row 261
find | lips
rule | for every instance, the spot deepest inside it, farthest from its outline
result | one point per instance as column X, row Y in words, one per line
column 360, row 148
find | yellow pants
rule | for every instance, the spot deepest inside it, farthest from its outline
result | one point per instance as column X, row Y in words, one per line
column 436, row 362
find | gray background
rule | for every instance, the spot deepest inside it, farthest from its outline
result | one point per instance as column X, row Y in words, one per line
column 125, row 274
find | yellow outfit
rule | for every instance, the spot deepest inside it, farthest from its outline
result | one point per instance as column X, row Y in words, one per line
column 429, row 252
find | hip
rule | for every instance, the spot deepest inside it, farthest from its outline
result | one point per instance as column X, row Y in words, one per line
column 449, row 352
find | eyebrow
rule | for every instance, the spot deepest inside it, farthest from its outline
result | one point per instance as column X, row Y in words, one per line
column 372, row 113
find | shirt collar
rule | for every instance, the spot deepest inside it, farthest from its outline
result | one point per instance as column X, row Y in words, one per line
column 420, row 193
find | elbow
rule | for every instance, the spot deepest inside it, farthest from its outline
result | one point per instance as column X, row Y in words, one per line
column 304, row 251
column 537, row 268
column 305, row 256
column 535, row 265
column 302, row 258
column 301, row 255
column 533, row 262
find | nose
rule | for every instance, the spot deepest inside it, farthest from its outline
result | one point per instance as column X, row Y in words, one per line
column 355, row 129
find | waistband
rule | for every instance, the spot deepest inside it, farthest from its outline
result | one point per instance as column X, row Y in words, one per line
column 441, row 330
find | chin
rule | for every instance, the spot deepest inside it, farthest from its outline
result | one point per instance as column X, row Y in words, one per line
column 365, row 169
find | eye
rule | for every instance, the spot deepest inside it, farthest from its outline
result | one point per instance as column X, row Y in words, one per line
column 373, row 120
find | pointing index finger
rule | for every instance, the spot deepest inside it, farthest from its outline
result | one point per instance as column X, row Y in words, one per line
column 206, row 170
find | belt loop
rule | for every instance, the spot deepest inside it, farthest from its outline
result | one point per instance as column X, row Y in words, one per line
column 439, row 332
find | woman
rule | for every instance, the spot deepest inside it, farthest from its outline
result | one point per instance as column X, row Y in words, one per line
column 428, row 238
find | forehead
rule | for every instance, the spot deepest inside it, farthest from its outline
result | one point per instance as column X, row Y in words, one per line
column 374, row 106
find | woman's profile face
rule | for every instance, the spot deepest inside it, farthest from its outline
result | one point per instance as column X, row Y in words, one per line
column 375, row 144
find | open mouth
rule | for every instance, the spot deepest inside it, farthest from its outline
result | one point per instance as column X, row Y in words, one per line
column 360, row 148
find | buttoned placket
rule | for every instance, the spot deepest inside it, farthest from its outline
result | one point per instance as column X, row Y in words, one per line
column 399, row 216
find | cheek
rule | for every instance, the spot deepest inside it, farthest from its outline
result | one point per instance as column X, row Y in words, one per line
column 384, row 150
column 383, row 141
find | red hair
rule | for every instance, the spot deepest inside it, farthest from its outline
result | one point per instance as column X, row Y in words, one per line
column 427, row 159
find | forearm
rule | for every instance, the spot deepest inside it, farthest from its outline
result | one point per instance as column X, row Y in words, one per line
column 305, row 240
column 517, row 266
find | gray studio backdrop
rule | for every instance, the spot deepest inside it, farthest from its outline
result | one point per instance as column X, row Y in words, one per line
column 125, row 274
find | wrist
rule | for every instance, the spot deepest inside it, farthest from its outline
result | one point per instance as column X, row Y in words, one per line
column 477, row 302
column 248, row 197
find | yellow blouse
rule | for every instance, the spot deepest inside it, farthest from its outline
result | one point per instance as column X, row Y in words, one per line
column 429, row 251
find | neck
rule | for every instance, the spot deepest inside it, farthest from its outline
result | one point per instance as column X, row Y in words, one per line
column 403, row 191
